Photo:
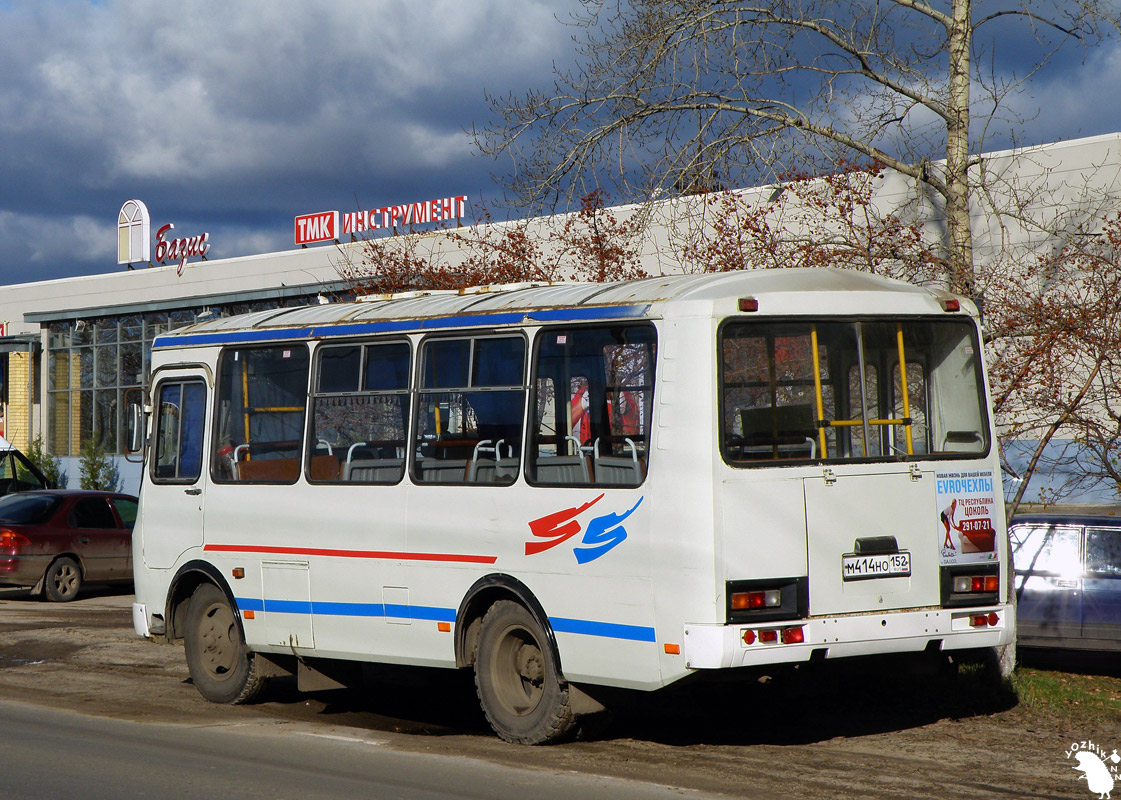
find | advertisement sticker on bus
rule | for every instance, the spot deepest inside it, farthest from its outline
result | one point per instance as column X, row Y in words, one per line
column 602, row 533
column 966, row 505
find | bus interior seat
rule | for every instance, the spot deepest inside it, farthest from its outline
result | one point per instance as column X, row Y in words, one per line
column 789, row 430
column 563, row 469
column 442, row 470
column 323, row 467
column 617, row 470
column 494, row 469
column 568, row 467
column 373, row 470
column 963, row 442
column 281, row 470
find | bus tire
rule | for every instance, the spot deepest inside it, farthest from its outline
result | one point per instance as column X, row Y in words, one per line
column 221, row 667
column 521, row 690
column 63, row 580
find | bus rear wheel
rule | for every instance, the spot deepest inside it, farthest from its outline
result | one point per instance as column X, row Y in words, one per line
column 521, row 690
column 221, row 667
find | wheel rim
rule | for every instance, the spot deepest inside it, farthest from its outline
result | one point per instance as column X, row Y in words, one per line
column 518, row 671
column 65, row 580
column 219, row 641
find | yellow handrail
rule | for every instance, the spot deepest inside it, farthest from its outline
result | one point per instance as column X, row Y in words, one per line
column 245, row 398
column 903, row 381
column 852, row 423
column 817, row 390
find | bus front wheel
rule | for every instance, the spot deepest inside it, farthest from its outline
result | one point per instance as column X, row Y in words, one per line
column 221, row 667
column 521, row 690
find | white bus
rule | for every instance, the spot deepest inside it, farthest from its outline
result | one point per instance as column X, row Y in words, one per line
column 571, row 486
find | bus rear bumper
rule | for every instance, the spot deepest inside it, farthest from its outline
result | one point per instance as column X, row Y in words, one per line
column 742, row 645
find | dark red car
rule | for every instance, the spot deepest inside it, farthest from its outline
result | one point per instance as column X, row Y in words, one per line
column 53, row 541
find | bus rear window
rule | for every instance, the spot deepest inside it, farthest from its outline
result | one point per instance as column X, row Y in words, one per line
column 837, row 391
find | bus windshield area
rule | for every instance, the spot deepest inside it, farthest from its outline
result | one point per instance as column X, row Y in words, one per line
column 852, row 390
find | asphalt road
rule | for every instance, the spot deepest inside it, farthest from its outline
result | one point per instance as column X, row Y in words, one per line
column 52, row 754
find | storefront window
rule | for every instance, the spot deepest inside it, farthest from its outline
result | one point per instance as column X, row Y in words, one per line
column 97, row 367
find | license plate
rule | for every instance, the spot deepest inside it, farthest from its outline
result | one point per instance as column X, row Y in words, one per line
column 887, row 565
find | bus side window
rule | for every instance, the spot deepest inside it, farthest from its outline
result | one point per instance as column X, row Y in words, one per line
column 360, row 413
column 470, row 409
column 593, row 400
column 262, row 394
column 181, row 417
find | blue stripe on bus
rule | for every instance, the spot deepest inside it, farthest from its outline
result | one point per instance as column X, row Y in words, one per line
column 608, row 630
column 590, row 312
column 168, row 340
column 288, row 606
column 349, row 609
column 400, row 326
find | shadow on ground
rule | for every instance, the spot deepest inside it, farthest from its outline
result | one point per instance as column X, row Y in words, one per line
column 1074, row 661
column 791, row 705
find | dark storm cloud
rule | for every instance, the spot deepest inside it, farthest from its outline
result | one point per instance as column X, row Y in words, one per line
column 234, row 117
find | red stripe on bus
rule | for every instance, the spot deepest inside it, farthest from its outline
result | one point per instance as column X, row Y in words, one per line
column 316, row 551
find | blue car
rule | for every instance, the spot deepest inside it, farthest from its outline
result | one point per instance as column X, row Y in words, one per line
column 1068, row 580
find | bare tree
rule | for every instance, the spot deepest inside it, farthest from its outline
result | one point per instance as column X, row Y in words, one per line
column 588, row 245
column 1055, row 362
column 1053, row 311
column 685, row 95
column 828, row 221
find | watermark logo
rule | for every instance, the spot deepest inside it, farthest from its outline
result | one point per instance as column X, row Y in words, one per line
column 1100, row 768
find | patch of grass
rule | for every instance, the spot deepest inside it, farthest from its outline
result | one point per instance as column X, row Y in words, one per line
column 1068, row 694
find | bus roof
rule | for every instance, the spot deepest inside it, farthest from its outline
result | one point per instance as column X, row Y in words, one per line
column 778, row 292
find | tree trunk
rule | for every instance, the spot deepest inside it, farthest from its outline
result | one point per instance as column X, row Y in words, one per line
column 958, row 224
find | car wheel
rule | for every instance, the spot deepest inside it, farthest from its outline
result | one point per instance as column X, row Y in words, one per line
column 520, row 688
column 63, row 580
column 222, row 668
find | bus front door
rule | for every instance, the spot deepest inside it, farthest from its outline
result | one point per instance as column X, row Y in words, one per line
column 175, row 480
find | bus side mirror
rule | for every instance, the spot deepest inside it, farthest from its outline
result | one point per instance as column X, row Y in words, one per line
column 135, row 428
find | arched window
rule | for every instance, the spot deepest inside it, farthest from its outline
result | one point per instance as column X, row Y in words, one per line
column 133, row 234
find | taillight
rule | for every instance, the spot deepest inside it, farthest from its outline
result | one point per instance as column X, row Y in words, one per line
column 970, row 584
column 792, row 635
column 770, row 598
column 992, row 619
column 13, row 539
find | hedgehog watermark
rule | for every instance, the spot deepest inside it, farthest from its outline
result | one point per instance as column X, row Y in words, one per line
column 1100, row 768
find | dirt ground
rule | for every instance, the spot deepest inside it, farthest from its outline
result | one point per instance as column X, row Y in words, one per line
column 862, row 730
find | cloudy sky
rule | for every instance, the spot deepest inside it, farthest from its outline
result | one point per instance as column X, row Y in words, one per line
column 232, row 117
